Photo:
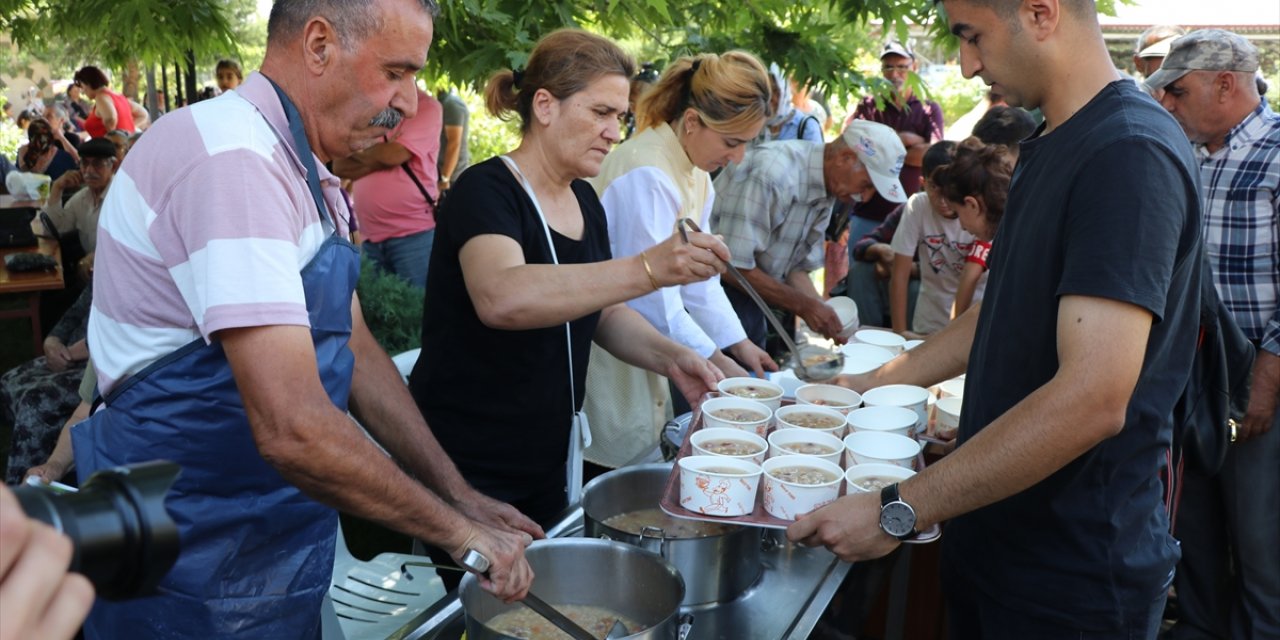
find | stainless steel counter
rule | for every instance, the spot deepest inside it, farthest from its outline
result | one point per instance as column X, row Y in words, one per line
column 794, row 589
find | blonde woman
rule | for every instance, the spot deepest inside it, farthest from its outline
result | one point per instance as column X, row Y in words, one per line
column 698, row 117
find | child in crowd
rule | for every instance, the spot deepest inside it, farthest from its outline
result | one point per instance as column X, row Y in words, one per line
column 975, row 186
column 930, row 234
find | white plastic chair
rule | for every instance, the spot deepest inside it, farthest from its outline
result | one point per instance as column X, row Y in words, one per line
column 375, row 598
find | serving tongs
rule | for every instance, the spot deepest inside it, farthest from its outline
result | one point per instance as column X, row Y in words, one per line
column 475, row 561
column 810, row 362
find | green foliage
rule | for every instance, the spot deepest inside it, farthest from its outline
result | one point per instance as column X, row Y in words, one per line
column 956, row 95
column 392, row 308
column 117, row 31
column 11, row 137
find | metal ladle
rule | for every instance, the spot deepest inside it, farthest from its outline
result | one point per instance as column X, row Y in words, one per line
column 810, row 362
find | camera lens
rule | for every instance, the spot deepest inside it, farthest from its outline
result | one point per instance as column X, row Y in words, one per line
column 125, row 542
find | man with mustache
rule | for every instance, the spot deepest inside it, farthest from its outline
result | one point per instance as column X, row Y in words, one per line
column 228, row 339
column 396, row 190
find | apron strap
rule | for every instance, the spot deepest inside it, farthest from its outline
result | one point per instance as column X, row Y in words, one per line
column 302, row 146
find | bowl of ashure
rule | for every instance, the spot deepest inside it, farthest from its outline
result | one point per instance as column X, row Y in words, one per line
column 796, row 485
column 807, row 416
column 718, row 486
column 762, row 391
column 733, row 412
column 729, row 443
column 842, row 399
column 864, row 478
column 805, row 442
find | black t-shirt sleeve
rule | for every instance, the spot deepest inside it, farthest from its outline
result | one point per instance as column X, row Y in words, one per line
column 1124, row 224
column 486, row 201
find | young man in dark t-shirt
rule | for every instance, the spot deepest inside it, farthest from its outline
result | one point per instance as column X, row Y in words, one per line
column 1075, row 357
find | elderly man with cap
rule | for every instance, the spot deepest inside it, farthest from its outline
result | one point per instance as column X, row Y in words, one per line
column 80, row 213
column 1229, row 578
column 918, row 124
column 773, row 209
column 1152, row 46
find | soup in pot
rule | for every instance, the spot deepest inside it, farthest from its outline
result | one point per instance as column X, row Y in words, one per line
column 738, row 415
column 812, row 420
column 527, row 624
column 803, row 475
column 634, row 521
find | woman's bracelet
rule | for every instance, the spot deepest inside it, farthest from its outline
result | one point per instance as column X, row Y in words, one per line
column 649, row 271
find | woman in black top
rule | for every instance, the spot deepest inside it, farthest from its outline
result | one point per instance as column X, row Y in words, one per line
column 493, row 380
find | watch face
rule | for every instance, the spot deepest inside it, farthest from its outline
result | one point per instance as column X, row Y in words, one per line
column 897, row 519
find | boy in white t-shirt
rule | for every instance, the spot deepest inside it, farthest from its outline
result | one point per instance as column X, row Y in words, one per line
column 931, row 233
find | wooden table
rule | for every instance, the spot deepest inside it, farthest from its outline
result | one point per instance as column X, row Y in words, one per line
column 30, row 284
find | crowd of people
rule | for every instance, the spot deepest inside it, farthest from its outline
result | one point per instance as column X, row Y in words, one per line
column 1050, row 244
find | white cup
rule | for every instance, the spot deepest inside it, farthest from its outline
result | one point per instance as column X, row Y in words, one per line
column 718, row 486
column 901, row 395
column 799, row 416
column 847, row 311
column 867, row 352
column 880, row 338
column 899, row 420
column 947, row 421
column 951, row 388
column 788, row 500
column 782, row 439
column 867, row 447
column 763, row 391
column 860, row 472
column 711, row 442
column 842, row 399
column 733, row 404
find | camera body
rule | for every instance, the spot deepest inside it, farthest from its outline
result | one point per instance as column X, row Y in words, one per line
column 124, row 539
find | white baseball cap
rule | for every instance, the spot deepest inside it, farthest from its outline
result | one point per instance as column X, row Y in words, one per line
column 882, row 153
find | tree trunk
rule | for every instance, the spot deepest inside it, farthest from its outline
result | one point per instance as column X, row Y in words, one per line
column 191, row 76
column 164, row 82
column 130, row 86
column 153, row 108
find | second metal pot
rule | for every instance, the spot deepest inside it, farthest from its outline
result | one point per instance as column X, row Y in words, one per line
column 715, row 568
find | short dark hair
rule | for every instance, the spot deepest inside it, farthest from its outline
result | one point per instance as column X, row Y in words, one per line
column 1004, row 125
column 92, row 77
column 938, row 154
column 353, row 20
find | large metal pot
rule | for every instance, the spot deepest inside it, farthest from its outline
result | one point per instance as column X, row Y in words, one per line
column 624, row 579
column 715, row 568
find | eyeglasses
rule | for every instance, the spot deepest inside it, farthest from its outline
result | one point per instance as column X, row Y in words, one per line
column 896, row 67
column 99, row 163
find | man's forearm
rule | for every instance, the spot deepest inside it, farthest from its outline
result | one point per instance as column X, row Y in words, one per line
column 383, row 405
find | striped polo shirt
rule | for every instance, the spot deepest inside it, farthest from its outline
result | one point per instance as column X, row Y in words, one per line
column 207, row 226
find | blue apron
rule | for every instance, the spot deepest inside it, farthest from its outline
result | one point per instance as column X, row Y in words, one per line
column 257, row 554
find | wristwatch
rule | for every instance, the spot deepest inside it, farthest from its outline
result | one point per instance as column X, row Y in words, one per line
column 897, row 518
